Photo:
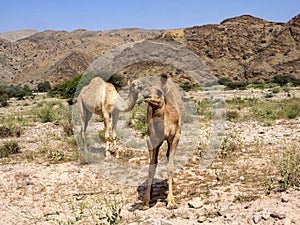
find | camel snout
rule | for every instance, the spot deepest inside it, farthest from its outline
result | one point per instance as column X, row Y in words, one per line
column 146, row 93
column 140, row 87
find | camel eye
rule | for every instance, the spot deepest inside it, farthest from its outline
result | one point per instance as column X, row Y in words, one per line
column 159, row 93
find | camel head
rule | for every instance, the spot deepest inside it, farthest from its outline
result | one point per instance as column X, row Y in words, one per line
column 154, row 96
column 136, row 85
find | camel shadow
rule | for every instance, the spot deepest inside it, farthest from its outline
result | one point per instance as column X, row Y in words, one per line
column 98, row 150
column 159, row 192
column 93, row 155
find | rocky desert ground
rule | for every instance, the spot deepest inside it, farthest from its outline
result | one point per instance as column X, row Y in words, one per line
column 253, row 179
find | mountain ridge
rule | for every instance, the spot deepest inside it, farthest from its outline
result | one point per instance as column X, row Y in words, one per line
column 242, row 48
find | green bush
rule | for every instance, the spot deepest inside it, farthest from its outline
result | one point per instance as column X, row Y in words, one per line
column 56, row 112
column 114, row 216
column 276, row 90
column 236, row 101
column 44, row 86
column 289, row 168
column 232, row 115
column 9, row 148
column 3, row 100
column 18, row 92
column 293, row 111
column 66, row 122
column 187, row 86
column 138, row 117
column 46, row 114
column 51, row 111
column 268, row 112
column 117, row 80
column 10, row 131
column 224, row 81
column 296, row 81
column 283, row 79
column 237, row 85
column 66, row 89
column 231, row 143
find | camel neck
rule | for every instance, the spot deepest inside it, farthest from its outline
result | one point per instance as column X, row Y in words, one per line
column 158, row 111
column 125, row 105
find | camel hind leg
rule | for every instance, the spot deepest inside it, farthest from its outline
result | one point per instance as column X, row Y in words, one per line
column 85, row 116
column 106, row 127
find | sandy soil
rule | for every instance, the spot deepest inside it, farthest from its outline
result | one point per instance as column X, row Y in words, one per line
column 38, row 188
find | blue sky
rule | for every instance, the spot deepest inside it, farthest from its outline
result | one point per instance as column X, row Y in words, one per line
column 148, row 14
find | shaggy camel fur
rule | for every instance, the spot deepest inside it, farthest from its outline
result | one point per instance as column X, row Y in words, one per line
column 164, row 117
column 102, row 98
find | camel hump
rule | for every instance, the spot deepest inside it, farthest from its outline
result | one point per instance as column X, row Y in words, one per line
column 97, row 80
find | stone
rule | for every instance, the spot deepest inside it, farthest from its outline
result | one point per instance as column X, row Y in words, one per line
column 224, row 212
column 277, row 215
column 165, row 222
column 266, row 215
column 285, row 197
column 256, row 218
column 196, row 203
column 150, row 222
column 201, row 219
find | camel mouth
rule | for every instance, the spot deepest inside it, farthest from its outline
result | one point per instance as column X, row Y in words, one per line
column 138, row 87
column 147, row 98
column 153, row 101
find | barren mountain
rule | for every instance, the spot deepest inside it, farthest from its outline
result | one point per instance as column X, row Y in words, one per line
column 58, row 55
column 17, row 35
column 243, row 48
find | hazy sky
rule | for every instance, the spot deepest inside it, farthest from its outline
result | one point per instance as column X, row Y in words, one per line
column 149, row 14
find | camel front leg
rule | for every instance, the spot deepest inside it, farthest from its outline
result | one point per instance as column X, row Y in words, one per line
column 151, row 172
column 172, row 147
column 153, row 155
column 106, row 127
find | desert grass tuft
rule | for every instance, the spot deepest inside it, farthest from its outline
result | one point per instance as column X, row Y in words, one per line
column 9, row 148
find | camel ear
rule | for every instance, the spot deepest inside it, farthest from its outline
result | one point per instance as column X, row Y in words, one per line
column 128, row 82
column 164, row 77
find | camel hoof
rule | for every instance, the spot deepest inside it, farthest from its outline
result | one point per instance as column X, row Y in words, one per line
column 114, row 149
column 172, row 205
column 143, row 207
column 107, row 154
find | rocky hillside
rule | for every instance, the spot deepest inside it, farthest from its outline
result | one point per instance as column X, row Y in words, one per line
column 58, row 55
column 17, row 35
column 243, row 48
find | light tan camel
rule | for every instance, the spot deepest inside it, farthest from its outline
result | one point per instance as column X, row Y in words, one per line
column 102, row 98
column 164, row 117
